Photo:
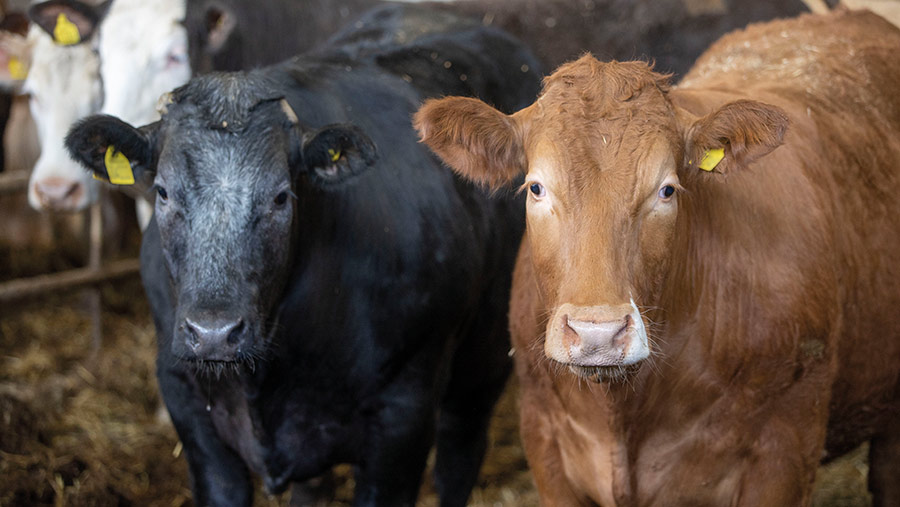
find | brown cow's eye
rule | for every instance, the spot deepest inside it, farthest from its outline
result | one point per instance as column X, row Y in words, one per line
column 537, row 189
column 666, row 192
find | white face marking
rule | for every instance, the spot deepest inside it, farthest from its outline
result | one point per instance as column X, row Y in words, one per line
column 639, row 349
column 64, row 86
column 144, row 50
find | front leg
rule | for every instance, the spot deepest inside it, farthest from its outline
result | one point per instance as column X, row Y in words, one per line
column 390, row 471
column 218, row 475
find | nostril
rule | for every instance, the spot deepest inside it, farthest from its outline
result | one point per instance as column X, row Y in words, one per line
column 58, row 192
column 235, row 335
column 73, row 188
column 191, row 336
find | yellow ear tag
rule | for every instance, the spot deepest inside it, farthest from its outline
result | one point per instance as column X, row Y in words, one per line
column 335, row 154
column 65, row 33
column 118, row 168
column 711, row 159
column 17, row 70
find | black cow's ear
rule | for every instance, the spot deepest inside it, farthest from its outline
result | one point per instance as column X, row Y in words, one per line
column 335, row 153
column 114, row 150
column 219, row 22
column 69, row 22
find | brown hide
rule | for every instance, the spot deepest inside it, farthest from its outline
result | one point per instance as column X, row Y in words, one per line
column 769, row 286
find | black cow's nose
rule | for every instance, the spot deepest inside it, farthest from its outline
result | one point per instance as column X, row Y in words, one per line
column 214, row 339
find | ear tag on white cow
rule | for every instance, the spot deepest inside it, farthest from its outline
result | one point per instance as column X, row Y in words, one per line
column 118, row 168
column 711, row 159
column 335, row 154
column 17, row 69
column 65, row 33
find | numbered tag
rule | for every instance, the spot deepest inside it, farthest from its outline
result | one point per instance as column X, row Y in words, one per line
column 118, row 167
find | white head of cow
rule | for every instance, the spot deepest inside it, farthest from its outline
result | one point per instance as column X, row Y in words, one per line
column 144, row 49
column 606, row 158
column 56, row 66
column 64, row 85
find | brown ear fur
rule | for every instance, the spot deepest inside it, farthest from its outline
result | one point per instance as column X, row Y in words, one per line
column 746, row 129
column 479, row 142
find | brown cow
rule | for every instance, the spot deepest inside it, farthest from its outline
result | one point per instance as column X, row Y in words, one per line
column 744, row 322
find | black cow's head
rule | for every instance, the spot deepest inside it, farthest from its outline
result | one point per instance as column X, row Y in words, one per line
column 225, row 161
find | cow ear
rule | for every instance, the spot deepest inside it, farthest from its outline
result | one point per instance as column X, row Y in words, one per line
column 220, row 22
column 15, row 57
column 336, row 153
column 477, row 141
column 69, row 22
column 734, row 136
column 114, row 150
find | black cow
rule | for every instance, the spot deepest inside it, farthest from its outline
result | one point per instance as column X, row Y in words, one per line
column 671, row 32
column 323, row 289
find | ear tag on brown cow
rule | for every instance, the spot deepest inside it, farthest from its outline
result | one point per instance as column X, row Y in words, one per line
column 711, row 159
column 65, row 33
column 118, row 167
column 335, row 154
column 17, row 69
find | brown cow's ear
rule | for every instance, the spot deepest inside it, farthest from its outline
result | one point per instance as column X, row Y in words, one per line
column 734, row 136
column 479, row 142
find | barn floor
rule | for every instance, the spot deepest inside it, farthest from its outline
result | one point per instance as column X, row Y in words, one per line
column 82, row 427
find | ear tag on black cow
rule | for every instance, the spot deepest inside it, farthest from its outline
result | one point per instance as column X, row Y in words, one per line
column 711, row 159
column 335, row 154
column 65, row 33
column 17, row 69
column 118, row 168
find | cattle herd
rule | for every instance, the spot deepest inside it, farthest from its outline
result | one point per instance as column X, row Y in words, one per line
column 673, row 220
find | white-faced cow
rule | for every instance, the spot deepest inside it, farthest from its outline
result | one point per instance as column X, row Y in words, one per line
column 61, row 78
column 720, row 256
column 323, row 289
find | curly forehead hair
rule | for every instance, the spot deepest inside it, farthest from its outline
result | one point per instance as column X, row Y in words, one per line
column 601, row 88
column 223, row 101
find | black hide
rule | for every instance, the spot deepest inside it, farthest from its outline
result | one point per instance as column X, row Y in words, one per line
column 357, row 312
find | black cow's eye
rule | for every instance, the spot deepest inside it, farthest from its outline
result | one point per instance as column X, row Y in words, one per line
column 666, row 191
column 281, row 198
column 537, row 189
column 162, row 193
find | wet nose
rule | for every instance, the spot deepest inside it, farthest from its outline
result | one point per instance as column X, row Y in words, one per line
column 214, row 338
column 607, row 335
column 59, row 194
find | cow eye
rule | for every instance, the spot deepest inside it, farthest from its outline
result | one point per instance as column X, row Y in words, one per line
column 666, row 192
column 537, row 189
column 163, row 195
column 281, row 198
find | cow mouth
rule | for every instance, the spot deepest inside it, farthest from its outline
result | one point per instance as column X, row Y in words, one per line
column 241, row 363
column 611, row 374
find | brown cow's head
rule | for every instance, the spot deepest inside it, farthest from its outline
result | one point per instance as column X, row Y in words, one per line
column 605, row 155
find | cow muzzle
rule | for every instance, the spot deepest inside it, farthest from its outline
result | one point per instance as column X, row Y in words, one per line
column 212, row 337
column 600, row 343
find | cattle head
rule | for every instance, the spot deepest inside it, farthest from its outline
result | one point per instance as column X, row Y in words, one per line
column 607, row 160
column 227, row 159
column 59, row 71
column 144, row 49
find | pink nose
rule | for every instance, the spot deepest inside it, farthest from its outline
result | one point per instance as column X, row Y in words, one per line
column 596, row 336
column 59, row 194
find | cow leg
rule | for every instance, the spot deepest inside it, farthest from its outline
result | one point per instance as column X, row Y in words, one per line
column 218, row 475
column 479, row 372
column 884, row 466
column 391, row 470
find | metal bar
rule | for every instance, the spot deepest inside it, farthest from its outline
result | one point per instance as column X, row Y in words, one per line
column 66, row 280
column 95, row 257
column 13, row 182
